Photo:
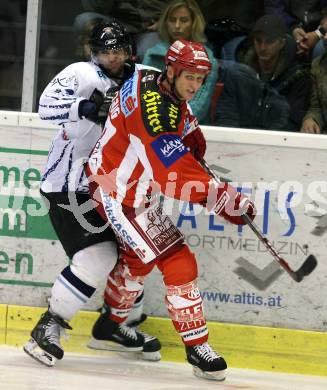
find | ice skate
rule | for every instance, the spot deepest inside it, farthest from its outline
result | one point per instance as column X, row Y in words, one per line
column 206, row 362
column 151, row 347
column 137, row 322
column 111, row 336
column 44, row 344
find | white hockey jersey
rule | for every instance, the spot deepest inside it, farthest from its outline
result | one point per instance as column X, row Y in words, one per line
column 76, row 138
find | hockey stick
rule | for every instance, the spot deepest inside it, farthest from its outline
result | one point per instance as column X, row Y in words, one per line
column 306, row 268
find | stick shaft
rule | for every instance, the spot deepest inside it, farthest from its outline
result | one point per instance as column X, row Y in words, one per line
column 267, row 244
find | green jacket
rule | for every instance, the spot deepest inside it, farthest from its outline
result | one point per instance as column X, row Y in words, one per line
column 318, row 99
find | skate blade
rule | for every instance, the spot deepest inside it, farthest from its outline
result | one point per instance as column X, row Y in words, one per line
column 151, row 356
column 106, row 345
column 211, row 375
column 35, row 352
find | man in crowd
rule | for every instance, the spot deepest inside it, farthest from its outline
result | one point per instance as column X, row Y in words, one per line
column 302, row 19
column 277, row 96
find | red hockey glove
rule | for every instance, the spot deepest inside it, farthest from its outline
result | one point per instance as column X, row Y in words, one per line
column 196, row 143
column 231, row 205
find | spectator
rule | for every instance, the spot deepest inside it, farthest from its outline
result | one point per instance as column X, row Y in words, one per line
column 229, row 22
column 139, row 17
column 83, row 26
column 302, row 19
column 273, row 56
column 184, row 19
column 315, row 120
column 248, row 102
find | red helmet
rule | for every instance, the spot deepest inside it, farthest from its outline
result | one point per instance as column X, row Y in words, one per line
column 186, row 55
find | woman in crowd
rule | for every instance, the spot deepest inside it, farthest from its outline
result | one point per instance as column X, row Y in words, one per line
column 183, row 19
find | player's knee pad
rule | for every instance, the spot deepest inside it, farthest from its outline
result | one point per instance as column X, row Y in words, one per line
column 93, row 264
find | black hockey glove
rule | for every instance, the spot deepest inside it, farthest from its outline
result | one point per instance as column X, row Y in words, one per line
column 86, row 109
column 104, row 107
column 97, row 99
column 96, row 109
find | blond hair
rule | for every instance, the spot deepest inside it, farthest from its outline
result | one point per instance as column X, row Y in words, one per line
column 198, row 25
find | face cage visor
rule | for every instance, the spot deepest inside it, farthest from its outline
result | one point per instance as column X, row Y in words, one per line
column 95, row 49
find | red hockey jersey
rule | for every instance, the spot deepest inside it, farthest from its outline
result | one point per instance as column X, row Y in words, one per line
column 141, row 147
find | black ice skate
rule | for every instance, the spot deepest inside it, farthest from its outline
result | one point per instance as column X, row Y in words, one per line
column 137, row 322
column 151, row 347
column 44, row 344
column 206, row 362
column 111, row 336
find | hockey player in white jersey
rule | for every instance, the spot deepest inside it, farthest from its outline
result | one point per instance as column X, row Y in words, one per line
column 77, row 100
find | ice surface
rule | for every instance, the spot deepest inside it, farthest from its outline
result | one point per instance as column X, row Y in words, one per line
column 112, row 371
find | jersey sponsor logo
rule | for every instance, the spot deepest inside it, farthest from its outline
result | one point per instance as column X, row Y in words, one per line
column 114, row 108
column 128, row 93
column 64, row 81
column 147, row 78
column 194, row 294
column 159, row 113
column 115, row 223
column 173, row 112
column 130, row 104
column 169, row 148
column 151, row 100
column 160, row 229
column 195, row 333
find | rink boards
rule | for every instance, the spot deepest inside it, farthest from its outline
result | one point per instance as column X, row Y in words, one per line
column 243, row 346
column 240, row 283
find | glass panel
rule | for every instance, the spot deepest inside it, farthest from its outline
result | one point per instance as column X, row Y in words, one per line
column 12, row 42
column 58, row 46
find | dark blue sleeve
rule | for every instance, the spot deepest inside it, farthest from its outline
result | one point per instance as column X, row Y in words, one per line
column 277, row 7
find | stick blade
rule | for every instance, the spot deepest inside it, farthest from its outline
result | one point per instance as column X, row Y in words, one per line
column 306, row 268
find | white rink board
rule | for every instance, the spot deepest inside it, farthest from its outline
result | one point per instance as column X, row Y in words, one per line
column 232, row 262
column 239, row 281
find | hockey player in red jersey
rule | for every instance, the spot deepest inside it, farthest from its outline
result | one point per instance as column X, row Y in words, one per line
column 151, row 145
